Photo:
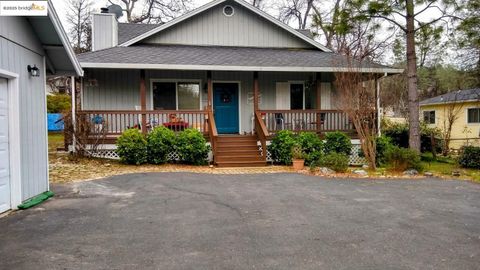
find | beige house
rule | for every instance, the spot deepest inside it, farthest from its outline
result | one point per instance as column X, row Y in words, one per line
column 464, row 107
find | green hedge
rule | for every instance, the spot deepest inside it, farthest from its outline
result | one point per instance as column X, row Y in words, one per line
column 337, row 142
column 160, row 142
column 132, row 147
column 399, row 134
column 311, row 146
column 192, row 147
column 336, row 161
column 281, row 147
column 470, row 157
column 401, row 159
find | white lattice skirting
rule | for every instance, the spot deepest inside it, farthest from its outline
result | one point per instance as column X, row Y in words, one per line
column 108, row 152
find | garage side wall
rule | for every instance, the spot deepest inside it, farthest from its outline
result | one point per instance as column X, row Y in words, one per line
column 19, row 48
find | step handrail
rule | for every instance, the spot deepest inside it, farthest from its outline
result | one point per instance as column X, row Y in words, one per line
column 213, row 134
column 262, row 132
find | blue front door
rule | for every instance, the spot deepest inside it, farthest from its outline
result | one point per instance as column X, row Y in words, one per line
column 225, row 106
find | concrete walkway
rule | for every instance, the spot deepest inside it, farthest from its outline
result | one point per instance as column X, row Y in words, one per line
column 267, row 221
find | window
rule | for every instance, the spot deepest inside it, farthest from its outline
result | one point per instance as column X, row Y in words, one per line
column 429, row 117
column 473, row 116
column 228, row 11
column 164, row 96
column 176, row 95
column 296, row 96
column 188, row 96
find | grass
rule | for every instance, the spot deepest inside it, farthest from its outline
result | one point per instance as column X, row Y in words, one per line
column 445, row 169
column 55, row 140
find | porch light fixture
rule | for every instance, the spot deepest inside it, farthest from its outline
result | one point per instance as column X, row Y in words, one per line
column 34, row 71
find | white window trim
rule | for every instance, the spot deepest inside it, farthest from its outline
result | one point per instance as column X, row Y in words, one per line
column 14, row 137
column 434, row 119
column 239, row 83
column 176, row 81
column 466, row 115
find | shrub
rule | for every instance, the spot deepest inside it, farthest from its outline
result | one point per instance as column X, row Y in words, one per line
column 281, row 147
column 399, row 134
column 58, row 103
column 470, row 157
column 401, row 159
column 311, row 145
column 335, row 161
column 159, row 144
column 192, row 147
column 383, row 144
column 337, row 142
column 132, row 147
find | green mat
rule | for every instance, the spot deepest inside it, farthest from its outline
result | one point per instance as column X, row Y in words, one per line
column 36, row 200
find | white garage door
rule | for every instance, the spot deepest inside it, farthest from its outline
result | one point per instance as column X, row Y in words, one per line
column 4, row 155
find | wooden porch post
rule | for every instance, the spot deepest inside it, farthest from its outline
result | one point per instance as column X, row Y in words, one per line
column 256, row 91
column 319, row 91
column 319, row 100
column 210, row 91
column 143, row 101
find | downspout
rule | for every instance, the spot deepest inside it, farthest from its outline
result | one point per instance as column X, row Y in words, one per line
column 74, row 118
column 377, row 94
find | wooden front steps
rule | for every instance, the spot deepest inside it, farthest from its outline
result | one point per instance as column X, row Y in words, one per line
column 238, row 151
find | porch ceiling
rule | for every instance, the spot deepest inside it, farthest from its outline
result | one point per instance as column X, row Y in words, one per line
column 177, row 57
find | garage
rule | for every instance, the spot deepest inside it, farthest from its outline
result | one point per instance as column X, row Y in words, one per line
column 31, row 49
column 5, row 193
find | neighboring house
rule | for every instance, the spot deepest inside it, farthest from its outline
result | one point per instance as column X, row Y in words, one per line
column 30, row 49
column 464, row 105
column 224, row 68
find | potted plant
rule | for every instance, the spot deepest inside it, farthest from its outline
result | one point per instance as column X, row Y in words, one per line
column 298, row 158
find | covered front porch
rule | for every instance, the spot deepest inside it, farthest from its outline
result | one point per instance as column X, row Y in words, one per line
column 234, row 102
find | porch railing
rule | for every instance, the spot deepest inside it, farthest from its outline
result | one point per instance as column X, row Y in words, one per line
column 306, row 120
column 117, row 121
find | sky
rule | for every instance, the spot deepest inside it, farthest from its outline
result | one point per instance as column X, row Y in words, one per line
column 61, row 6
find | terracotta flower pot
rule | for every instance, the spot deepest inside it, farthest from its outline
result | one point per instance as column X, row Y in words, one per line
column 298, row 164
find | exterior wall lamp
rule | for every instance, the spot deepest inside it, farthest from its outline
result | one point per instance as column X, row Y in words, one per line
column 34, row 71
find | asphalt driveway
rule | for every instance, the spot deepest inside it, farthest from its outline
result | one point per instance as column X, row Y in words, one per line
column 276, row 221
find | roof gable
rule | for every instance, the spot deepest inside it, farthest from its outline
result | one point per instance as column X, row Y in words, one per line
column 238, row 30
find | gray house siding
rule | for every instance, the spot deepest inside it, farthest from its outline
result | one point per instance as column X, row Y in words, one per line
column 16, row 52
column 119, row 89
column 213, row 28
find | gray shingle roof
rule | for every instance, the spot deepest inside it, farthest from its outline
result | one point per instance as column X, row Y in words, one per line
column 455, row 96
column 218, row 56
column 127, row 31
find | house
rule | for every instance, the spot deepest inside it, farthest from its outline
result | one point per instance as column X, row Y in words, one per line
column 31, row 48
column 226, row 69
column 464, row 107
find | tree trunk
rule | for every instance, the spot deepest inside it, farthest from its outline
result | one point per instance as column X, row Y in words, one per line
column 413, row 106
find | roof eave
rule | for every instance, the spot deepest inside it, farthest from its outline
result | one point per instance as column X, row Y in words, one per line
column 52, row 14
column 237, row 68
column 449, row 102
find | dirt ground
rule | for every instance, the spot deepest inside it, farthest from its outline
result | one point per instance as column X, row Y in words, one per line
column 65, row 168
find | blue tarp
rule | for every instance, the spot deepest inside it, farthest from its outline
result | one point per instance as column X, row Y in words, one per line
column 55, row 122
